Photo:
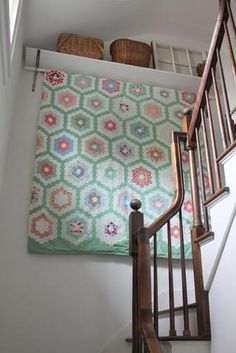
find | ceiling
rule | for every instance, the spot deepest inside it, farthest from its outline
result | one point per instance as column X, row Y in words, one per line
column 111, row 19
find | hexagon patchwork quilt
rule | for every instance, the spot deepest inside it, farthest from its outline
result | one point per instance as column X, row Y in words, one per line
column 101, row 143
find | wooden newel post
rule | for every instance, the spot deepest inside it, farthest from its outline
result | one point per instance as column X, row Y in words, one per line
column 203, row 316
column 196, row 205
column 135, row 222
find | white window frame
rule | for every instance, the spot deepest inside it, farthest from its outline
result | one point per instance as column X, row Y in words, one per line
column 9, row 23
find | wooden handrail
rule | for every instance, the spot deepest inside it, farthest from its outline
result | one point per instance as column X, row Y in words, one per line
column 145, row 329
column 177, row 181
column 206, row 80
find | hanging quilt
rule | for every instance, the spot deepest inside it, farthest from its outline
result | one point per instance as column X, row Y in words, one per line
column 100, row 144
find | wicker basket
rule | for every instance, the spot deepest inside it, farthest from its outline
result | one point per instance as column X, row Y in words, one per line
column 84, row 46
column 131, row 52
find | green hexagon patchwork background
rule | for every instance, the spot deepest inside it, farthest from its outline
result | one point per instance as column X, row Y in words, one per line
column 101, row 143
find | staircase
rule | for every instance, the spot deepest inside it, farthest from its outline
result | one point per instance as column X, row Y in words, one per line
column 208, row 135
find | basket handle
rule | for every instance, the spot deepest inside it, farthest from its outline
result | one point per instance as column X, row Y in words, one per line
column 61, row 42
column 100, row 48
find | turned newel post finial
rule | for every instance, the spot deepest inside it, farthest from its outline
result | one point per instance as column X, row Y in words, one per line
column 187, row 115
column 135, row 204
column 187, row 112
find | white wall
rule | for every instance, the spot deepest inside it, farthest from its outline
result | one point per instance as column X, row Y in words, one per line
column 221, row 284
column 55, row 303
column 7, row 102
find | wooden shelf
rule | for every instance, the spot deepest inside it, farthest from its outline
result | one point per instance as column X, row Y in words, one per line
column 51, row 60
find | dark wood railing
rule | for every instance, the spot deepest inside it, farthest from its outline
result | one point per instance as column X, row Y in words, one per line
column 209, row 136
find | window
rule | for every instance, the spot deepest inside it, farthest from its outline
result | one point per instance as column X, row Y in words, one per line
column 178, row 60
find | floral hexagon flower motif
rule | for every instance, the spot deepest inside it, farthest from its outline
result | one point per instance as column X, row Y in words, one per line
column 37, row 193
column 157, row 202
column 50, row 119
column 56, row 78
column 42, row 227
column 141, row 177
column 164, row 95
column 137, row 91
column 139, row 130
column 188, row 206
column 110, row 87
column 78, row 171
column 66, row 99
column 124, row 107
column 94, row 199
column 96, row 103
column 80, row 122
column 188, row 98
column 152, row 111
column 41, row 142
column 157, row 155
column 110, row 229
column 63, row 145
column 125, row 151
column 110, row 174
column 94, row 147
column 47, row 169
column 121, row 201
column 76, row 228
column 45, row 96
column 61, row 199
column 175, row 112
column 110, row 126
column 83, row 83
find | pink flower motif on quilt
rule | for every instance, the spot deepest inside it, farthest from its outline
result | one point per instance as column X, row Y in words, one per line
column 111, row 86
column 46, row 169
column 55, row 77
column 111, row 229
column 185, row 157
column 175, row 232
column 110, row 125
column 175, row 236
column 152, row 110
column 35, row 194
column 124, row 108
column 188, row 97
column 155, row 154
column 42, row 226
column 141, row 177
column 188, row 206
column 125, row 150
column 96, row 103
column 61, row 199
column 76, row 227
column 137, row 90
column 94, row 146
column 44, row 96
column 50, row 119
column 67, row 99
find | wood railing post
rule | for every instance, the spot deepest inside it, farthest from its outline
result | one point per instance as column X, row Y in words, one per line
column 203, row 316
column 135, row 222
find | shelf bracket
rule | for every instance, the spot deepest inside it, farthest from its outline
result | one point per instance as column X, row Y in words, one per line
column 37, row 61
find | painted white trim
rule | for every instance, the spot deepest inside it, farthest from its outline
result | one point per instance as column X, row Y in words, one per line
column 51, row 60
column 221, row 249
